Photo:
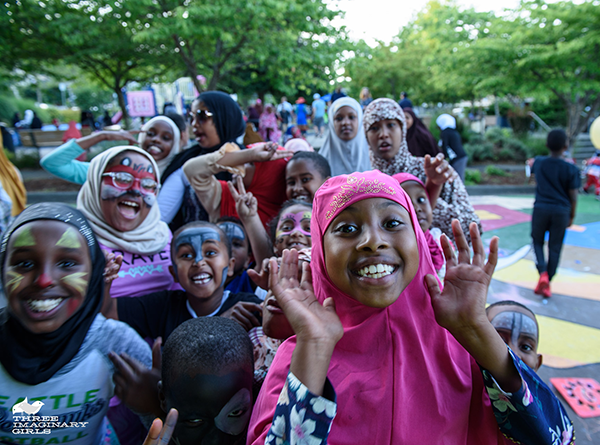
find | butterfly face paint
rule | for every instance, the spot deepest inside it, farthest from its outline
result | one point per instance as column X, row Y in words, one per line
column 195, row 237
column 290, row 222
column 517, row 324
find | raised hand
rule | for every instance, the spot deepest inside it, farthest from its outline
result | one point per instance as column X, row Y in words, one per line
column 120, row 135
column 113, row 265
column 246, row 204
column 244, row 312
column 268, row 152
column 311, row 320
column 438, row 170
column 460, row 307
column 160, row 434
column 136, row 385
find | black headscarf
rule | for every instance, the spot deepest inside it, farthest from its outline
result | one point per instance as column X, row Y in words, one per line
column 34, row 358
column 419, row 139
column 228, row 120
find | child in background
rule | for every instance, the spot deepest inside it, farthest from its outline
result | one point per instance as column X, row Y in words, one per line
column 410, row 363
column 304, row 174
column 592, row 173
column 240, row 251
column 202, row 260
column 207, row 377
column 519, row 329
column 554, row 209
column 415, row 189
column 291, row 228
column 54, row 342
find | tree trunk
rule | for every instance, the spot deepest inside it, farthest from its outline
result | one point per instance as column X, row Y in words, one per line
column 122, row 105
column 577, row 118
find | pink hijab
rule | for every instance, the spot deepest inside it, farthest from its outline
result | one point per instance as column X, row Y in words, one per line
column 437, row 256
column 400, row 378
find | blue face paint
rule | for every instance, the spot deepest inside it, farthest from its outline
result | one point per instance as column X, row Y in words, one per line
column 232, row 230
column 196, row 237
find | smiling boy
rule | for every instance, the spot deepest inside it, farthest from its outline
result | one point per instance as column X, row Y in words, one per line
column 201, row 262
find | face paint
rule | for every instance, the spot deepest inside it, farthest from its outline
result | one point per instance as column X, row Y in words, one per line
column 196, row 237
column 234, row 425
column 15, row 279
column 517, row 323
column 232, row 230
column 76, row 281
column 24, row 238
column 149, row 200
column 69, row 239
column 108, row 192
column 297, row 218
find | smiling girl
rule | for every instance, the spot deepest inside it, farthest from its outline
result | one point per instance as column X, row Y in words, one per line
column 119, row 200
column 53, row 341
column 410, row 364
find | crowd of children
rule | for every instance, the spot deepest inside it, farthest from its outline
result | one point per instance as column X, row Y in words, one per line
column 303, row 306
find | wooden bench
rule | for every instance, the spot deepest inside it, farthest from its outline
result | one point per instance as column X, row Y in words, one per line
column 39, row 138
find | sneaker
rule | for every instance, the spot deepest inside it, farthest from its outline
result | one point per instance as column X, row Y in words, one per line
column 546, row 292
column 543, row 284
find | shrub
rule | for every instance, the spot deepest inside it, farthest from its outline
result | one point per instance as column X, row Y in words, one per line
column 495, row 171
column 472, row 177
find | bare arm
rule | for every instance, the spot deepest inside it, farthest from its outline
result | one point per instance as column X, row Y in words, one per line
column 89, row 141
column 460, row 308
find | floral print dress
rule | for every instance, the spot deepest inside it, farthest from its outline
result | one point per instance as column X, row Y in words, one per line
column 532, row 415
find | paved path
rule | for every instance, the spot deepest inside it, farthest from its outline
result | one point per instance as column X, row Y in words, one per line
column 570, row 319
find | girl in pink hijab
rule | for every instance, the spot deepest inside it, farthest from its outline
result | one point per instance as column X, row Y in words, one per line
column 410, row 364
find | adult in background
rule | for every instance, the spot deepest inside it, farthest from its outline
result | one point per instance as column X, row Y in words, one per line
column 419, row 139
column 12, row 183
column 346, row 146
column 216, row 119
column 365, row 97
column 267, row 125
column 301, row 115
column 285, row 113
column 385, row 125
column 451, row 144
column 405, row 102
column 337, row 94
column 318, row 107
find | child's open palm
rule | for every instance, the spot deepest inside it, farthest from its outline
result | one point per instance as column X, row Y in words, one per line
column 460, row 307
column 312, row 321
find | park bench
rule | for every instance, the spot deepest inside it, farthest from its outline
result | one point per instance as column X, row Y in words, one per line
column 39, row 138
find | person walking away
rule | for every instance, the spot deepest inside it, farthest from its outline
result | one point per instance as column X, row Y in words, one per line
column 452, row 144
column 554, row 208
column 318, row 107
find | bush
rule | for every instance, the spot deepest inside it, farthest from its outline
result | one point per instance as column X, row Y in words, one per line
column 495, row 171
column 11, row 105
column 24, row 160
column 472, row 177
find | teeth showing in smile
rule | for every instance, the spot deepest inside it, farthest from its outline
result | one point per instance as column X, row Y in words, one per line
column 44, row 305
column 376, row 271
column 154, row 149
column 130, row 204
column 202, row 278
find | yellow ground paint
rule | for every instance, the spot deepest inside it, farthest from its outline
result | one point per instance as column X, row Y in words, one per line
column 565, row 344
column 486, row 215
column 566, row 282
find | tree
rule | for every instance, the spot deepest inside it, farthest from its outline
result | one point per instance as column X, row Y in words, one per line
column 241, row 44
column 91, row 35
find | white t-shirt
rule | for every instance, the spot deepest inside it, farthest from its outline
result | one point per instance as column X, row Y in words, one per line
column 76, row 399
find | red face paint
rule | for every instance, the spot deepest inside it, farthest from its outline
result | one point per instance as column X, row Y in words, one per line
column 44, row 280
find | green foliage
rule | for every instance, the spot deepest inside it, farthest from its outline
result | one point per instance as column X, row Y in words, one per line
column 25, row 160
column 495, row 171
column 472, row 177
column 498, row 145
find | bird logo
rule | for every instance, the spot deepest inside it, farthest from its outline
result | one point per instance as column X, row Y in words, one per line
column 25, row 407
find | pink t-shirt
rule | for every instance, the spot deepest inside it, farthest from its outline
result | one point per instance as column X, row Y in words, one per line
column 142, row 274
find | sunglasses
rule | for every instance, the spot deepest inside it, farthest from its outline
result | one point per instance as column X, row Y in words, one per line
column 201, row 115
column 124, row 181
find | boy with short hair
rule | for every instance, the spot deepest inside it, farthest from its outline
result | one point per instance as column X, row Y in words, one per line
column 518, row 327
column 201, row 262
column 554, row 209
column 207, row 371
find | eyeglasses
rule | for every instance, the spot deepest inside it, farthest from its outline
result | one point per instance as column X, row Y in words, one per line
column 124, row 181
column 201, row 115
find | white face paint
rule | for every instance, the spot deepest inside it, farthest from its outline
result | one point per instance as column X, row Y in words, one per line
column 149, row 200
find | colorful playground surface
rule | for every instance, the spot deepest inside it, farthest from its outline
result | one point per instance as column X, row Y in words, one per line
column 569, row 320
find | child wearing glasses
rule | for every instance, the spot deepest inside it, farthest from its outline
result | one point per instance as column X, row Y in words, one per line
column 119, row 200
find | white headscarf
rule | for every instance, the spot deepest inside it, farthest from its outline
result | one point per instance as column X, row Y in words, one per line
column 150, row 237
column 163, row 163
column 28, row 118
column 445, row 121
column 346, row 157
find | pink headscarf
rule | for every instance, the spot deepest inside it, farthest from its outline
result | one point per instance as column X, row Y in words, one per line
column 437, row 256
column 400, row 378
